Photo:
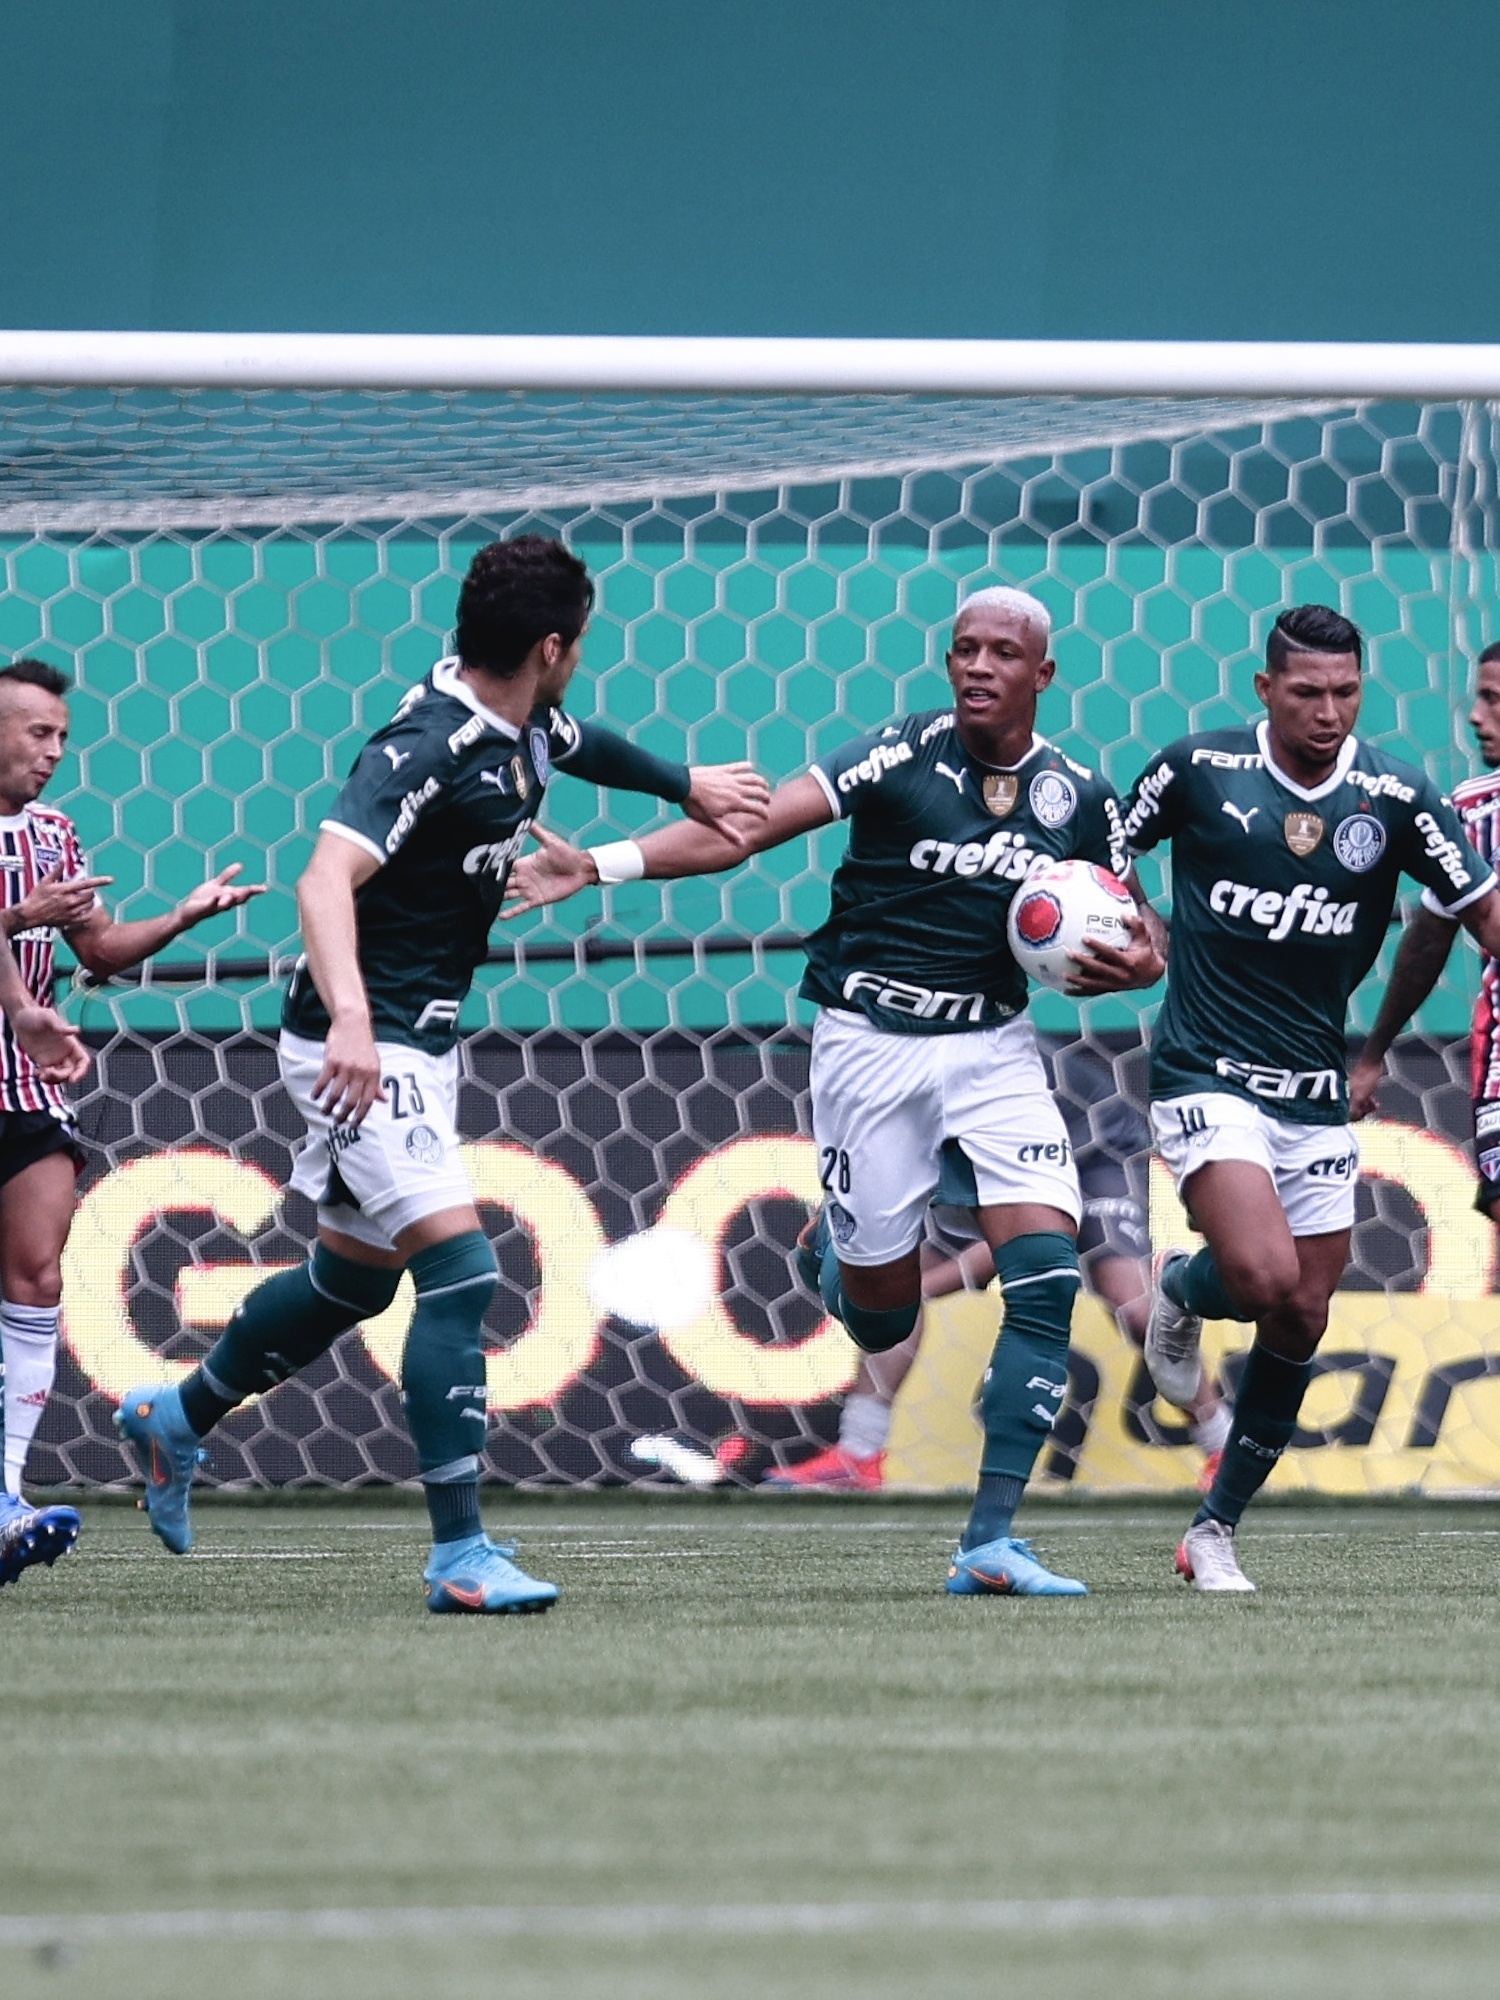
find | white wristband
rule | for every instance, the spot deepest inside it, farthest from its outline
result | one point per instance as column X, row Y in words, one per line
column 618, row 861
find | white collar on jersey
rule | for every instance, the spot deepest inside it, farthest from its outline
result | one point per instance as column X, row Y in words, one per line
column 1037, row 743
column 14, row 822
column 1331, row 783
column 445, row 679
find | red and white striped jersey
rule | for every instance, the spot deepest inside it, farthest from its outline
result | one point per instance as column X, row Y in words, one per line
column 31, row 843
column 1478, row 804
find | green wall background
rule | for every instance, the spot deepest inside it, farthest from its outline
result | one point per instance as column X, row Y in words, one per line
column 1320, row 169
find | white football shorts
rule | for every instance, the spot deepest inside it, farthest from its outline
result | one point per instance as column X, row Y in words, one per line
column 1315, row 1168
column 401, row 1164
column 883, row 1105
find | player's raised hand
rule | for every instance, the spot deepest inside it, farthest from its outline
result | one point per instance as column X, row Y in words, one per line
column 219, row 893
column 550, row 875
column 1108, row 968
column 732, row 798
column 349, row 1081
column 58, row 901
column 53, row 1044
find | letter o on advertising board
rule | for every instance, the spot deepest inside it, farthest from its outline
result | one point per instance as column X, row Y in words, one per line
column 711, row 1347
column 112, row 1215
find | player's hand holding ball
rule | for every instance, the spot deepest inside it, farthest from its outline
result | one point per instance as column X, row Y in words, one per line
column 1075, row 927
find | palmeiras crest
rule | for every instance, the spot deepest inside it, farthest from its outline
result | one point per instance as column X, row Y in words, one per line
column 1303, row 831
column 1359, row 842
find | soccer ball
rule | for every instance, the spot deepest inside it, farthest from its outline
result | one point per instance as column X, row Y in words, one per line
column 1057, row 909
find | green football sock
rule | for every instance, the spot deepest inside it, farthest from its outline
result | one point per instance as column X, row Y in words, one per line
column 443, row 1378
column 1197, row 1287
column 284, row 1324
column 1027, row 1377
column 1265, row 1417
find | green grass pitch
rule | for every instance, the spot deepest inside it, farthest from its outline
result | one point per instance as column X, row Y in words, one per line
column 755, row 1704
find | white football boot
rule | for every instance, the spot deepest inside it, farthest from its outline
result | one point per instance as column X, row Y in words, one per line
column 1206, row 1558
column 1172, row 1337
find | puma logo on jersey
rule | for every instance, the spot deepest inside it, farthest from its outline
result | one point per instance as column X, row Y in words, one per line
column 956, row 776
column 495, row 778
column 1244, row 818
column 1279, row 915
column 397, row 757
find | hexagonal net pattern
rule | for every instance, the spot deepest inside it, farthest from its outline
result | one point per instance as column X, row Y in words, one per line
column 634, row 1089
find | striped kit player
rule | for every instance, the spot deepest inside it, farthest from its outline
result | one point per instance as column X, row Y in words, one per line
column 44, row 889
column 1426, row 942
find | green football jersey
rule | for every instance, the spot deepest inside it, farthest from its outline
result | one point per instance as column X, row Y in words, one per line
column 1281, row 896
column 938, row 845
column 443, row 798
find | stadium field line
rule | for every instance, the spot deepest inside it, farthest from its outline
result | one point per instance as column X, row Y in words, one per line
column 1059, row 1915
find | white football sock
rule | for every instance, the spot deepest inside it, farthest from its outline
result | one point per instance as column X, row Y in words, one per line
column 28, row 1340
column 1212, row 1433
column 864, row 1425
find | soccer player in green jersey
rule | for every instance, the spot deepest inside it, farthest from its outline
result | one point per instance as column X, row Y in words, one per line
column 921, row 1046
column 396, row 907
column 1288, row 842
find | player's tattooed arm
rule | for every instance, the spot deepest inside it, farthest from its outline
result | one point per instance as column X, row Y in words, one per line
column 349, row 1081
column 556, row 870
column 1426, row 941
column 1111, row 969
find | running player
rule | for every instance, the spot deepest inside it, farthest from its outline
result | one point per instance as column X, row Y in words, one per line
column 1424, row 948
column 396, row 907
column 921, row 1037
column 1110, row 1141
column 44, row 890
column 1288, row 842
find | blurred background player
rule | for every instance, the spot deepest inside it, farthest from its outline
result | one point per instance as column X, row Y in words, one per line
column 1289, row 841
column 396, row 907
column 44, row 890
column 921, row 1037
column 1423, row 952
column 1110, row 1142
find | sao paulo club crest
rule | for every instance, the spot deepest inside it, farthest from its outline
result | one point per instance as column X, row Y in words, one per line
column 1054, row 798
column 1359, row 842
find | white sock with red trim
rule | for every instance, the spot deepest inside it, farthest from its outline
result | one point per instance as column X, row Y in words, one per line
column 864, row 1425
column 28, row 1340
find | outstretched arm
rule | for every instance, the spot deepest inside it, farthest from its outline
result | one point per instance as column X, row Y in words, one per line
column 105, row 947
column 1426, row 941
column 557, row 871
column 715, row 794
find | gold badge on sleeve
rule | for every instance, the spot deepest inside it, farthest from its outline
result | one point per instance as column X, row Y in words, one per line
column 1303, row 832
column 1001, row 790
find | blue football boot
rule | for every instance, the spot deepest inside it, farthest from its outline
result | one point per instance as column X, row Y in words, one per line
column 477, row 1575
column 30, row 1535
column 1007, row 1568
column 169, row 1450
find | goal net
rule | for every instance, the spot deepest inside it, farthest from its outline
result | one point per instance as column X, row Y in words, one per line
column 243, row 576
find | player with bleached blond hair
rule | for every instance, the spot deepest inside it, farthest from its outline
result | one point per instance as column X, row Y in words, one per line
column 921, row 1050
